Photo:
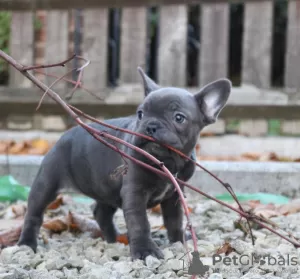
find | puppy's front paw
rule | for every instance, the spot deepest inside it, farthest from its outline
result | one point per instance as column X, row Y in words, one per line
column 30, row 242
column 143, row 248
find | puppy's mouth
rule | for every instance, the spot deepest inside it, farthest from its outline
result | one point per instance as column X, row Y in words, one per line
column 154, row 148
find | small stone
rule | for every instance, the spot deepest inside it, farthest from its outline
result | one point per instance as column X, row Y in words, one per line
column 215, row 276
column 41, row 274
column 41, row 266
column 95, row 271
column 7, row 253
column 122, row 267
column 230, row 272
column 137, row 264
column 144, row 273
column 252, row 276
column 175, row 264
column 152, row 262
column 57, row 273
column 36, row 260
column 242, row 247
column 113, row 253
column 104, row 259
column 21, row 273
column 177, row 248
column 57, row 264
column 115, row 274
column 76, row 262
column 70, row 273
column 9, row 275
column 180, row 272
column 168, row 254
column 285, row 249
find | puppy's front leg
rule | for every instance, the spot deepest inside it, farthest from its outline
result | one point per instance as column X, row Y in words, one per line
column 172, row 215
column 134, row 205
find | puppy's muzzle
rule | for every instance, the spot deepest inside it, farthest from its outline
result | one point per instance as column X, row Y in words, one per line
column 152, row 128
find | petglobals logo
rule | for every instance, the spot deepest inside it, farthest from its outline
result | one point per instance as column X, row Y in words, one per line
column 252, row 259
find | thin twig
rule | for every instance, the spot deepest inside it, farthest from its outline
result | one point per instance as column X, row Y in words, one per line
column 72, row 82
column 62, row 64
column 52, row 84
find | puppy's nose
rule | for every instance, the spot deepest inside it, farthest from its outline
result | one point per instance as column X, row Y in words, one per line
column 151, row 129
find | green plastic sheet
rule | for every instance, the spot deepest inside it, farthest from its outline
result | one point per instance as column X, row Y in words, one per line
column 11, row 190
column 264, row 198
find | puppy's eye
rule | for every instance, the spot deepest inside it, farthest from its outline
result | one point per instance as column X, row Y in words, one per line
column 140, row 114
column 179, row 118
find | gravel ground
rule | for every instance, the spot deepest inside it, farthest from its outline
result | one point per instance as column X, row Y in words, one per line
column 71, row 256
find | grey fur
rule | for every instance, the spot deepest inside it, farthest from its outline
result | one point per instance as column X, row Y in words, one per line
column 80, row 161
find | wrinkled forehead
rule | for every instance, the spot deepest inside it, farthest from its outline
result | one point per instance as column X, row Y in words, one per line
column 170, row 99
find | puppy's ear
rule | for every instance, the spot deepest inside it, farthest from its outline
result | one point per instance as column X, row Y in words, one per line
column 212, row 98
column 149, row 84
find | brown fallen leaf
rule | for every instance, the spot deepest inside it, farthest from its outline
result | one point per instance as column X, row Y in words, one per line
column 123, row 238
column 19, row 210
column 157, row 209
column 83, row 224
column 10, row 237
column 271, row 156
column 5, row 145
column 266, row 213
column 57, row 203
column 56, row 225
column 251, row 156
column 290, row 208
column 19, row 148
column 225, row 248
column 39, row 147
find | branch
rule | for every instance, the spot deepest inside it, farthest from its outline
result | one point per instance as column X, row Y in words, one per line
column 99, row 135
column 62, row 64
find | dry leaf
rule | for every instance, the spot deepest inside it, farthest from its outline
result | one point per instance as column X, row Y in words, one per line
column 18, row 148
column 251, row 156
column 5, row 145
column 39, row 147
column 157, row 209
column 292, row 207
column 266, row 213
column 19, row 210
column 226, row 248
column 56, row 225
column 83, row 224
column 123, row 238
column 57, row 203
column 10, row 237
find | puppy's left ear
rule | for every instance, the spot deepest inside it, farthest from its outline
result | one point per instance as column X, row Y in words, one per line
column 149, row 84
column 212, row 98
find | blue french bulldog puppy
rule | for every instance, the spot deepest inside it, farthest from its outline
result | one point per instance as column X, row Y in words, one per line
column 172, row 116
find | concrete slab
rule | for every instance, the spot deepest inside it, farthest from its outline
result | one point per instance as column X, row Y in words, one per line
column 251, row 177
column 226, row 145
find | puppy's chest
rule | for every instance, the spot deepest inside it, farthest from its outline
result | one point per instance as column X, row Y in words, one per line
column 160, row 193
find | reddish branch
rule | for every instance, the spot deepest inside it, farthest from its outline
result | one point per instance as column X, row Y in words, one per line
column 99, row 135
column 61, row 64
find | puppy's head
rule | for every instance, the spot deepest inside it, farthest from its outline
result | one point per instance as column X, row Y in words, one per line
column 174, row 116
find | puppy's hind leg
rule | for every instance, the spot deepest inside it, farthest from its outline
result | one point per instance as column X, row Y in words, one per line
column 42, row 193
column 104, row 216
